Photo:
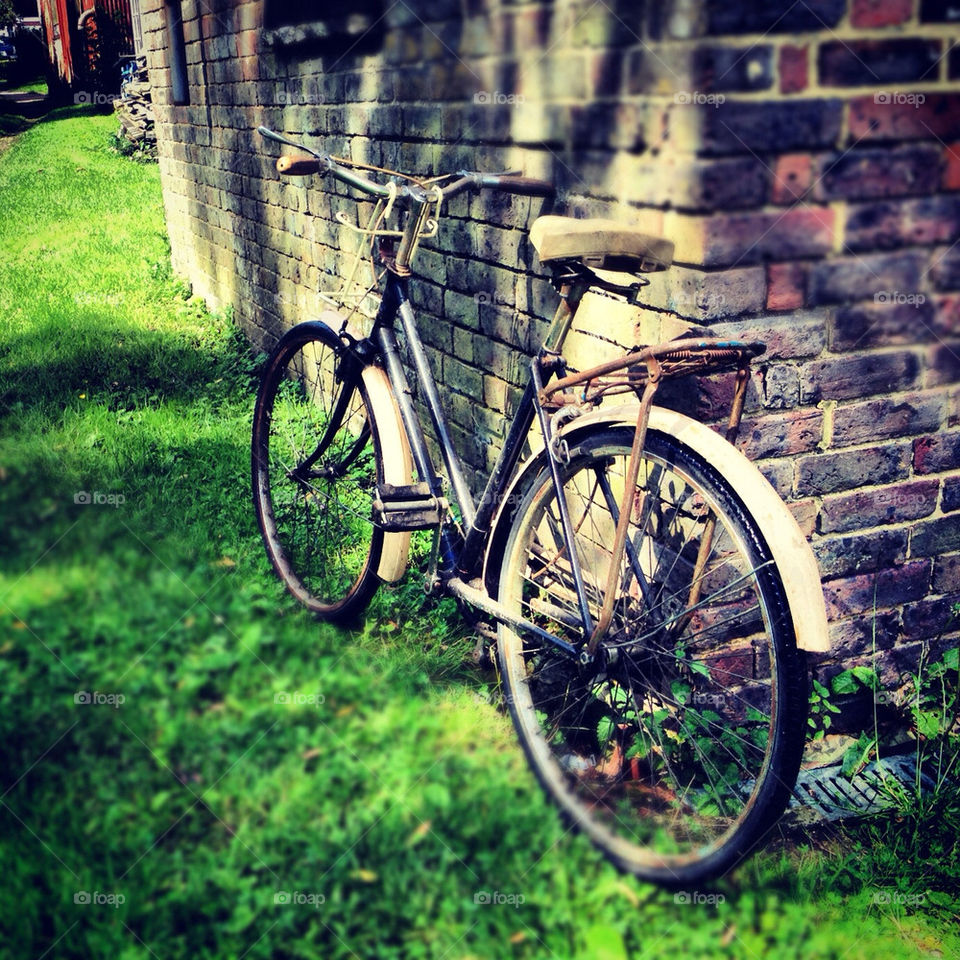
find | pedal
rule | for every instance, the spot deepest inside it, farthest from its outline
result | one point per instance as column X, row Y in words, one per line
column 407, row 507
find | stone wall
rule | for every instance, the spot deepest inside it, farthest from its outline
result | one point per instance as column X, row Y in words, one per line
column 805, row 157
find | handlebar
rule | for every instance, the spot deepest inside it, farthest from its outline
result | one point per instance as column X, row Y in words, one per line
column 466, row 180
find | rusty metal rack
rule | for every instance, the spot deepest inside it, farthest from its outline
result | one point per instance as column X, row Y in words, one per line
column 641, row 371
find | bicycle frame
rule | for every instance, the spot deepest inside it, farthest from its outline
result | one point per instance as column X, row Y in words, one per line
column 461, row 559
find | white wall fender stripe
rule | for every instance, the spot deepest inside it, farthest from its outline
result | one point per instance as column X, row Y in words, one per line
column 397, row 465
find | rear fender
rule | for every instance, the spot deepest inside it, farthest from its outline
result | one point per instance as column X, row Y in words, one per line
column 791, row 552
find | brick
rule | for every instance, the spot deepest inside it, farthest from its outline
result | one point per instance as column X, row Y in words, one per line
column 847, row 378
column 861, row 509
column 937, row 454
column 726, row 184
column 928, row 619
column 775, row 16
column 861, row 174
column 880, row 590
column 883, row 419
column 844, row 556
column 801, row 335
column 725, row 69
column 880, row 13
column 939, row 11
column 854, row 63
column 858, row 636
column 934, row 537
column 951, row 163
column 950, row 500
column 739, row 127
column 733, row 239
column 889, row 224
column 823, row 473
column 895, row 318
column 805, row 513
column 793, row 69
column 945, row 269
column 792, row 177
column 786, row 283
column 946, row 574
column 863, row 277
column 937, row 117
column 943, row 365
column 780, row 435
column 953, row 63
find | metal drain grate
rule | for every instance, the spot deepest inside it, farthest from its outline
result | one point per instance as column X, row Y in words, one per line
column 829, row 795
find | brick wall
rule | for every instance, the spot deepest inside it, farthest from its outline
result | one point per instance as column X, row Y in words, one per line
column 805, row 157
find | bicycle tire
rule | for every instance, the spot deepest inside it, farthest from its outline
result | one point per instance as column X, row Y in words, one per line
column 313, row 415
column 677, row 749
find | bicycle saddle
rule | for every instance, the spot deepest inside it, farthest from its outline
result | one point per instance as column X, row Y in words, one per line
column 600, row 245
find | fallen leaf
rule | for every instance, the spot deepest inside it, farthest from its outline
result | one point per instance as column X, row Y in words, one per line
column 311, row 753
column 367, row 876
column 518, row 937
column 419, row 833
column 225, row 562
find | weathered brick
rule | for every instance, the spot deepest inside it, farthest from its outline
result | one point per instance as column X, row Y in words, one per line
column 945, row 269
column 805, row 513
column 724, row 69
column 750, row 238
column 776, row 16
column 946, row 574
column 888, row 417
column 879, row 590
column 880, row 13
column 943, row 364
column 781, row 435
column 786, row 283
column 937, row 454
column 854, row 63
column 793, row 68
column 863, row 277
column 843, row 556
column 823, row 473
column 879, row 226
column 847, row 378
column 851, row 638
column 928, row 618
column 951, row 162
column 860, row 174
column 894, row 318
column 950, row 499
column 738, row 127
column 939, row 11
column 873, row 118
column 861, row 509
column 933, row 537
column 792, row 177
column 726, row 184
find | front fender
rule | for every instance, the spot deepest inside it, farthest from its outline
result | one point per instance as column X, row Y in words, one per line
column 791, row 552
column 394, row 449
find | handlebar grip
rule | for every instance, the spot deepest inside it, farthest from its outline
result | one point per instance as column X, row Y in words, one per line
column 297, row 166
column 528, row 186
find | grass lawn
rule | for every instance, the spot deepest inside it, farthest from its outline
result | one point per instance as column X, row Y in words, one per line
column 184, row 807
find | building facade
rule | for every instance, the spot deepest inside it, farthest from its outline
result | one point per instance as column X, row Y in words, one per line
column 805, row 158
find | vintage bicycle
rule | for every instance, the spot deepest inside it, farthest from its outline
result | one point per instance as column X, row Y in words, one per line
column 653, row 597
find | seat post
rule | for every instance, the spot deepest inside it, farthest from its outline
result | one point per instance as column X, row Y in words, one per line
column 571, row 293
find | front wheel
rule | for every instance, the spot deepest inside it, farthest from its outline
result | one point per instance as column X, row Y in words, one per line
column 677, row 748
column 316, row 463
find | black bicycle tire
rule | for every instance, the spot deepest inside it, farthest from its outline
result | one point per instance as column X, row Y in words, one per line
column 791, row 692
column 359, row 594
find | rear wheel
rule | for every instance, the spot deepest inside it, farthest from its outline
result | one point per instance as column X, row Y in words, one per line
column 677, row 748
column 316, row 464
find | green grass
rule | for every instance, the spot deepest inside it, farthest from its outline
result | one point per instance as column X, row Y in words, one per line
column 385, row 800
